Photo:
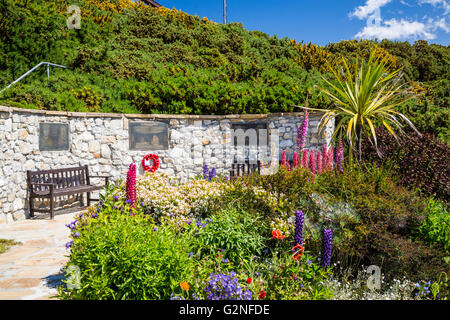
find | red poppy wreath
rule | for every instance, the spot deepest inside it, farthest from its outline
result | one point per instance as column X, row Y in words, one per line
column 154, row 158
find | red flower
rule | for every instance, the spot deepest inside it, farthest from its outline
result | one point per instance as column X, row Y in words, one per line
column 220, row 256
column 300, row 251
column 262, row 294
column 249, row 280
column 276, row 234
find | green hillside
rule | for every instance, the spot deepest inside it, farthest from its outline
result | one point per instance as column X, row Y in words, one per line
column 131, row 58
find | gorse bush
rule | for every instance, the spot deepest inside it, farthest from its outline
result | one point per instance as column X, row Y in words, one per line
column 420, row 162
column 140, row 59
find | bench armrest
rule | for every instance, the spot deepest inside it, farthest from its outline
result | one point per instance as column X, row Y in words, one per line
column 51, row 185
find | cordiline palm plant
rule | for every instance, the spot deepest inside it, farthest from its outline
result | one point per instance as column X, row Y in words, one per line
column 363, row 95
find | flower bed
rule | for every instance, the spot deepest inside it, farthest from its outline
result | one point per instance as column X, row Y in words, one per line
column 214, row 238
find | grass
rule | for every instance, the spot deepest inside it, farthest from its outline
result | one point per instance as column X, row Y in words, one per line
column 5, row 244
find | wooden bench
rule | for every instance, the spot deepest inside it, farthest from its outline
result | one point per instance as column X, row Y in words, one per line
column 49, row 184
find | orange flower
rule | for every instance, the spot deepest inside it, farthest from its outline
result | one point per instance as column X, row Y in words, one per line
column 185, row 285
column 276, row 234
column 300, row 251
column 220, row 256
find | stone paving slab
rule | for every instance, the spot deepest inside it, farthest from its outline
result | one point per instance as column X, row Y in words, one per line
column 32, row 270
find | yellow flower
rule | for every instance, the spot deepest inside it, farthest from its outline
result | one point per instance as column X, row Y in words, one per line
column 185, row 285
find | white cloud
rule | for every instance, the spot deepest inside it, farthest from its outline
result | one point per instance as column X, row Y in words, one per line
column 439, row 24
column 438, row 3
column 394, row 29
column 364, row 11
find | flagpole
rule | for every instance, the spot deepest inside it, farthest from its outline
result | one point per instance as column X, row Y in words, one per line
column 225, row 11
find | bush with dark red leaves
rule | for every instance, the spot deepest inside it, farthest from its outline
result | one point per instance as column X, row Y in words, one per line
column 420, row 162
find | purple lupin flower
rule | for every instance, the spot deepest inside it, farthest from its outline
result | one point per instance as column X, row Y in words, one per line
column 205, row 172
column 299, row 219
column 212, row 174
column 302, row 131
column 327, row 245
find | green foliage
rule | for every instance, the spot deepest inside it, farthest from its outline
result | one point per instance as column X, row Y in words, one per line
column 148, row 60
column 122, row 257
column 172, row 63
column 302, row 279
column 389, row 216
column 435, row 229
column 363, row 95
column 239, row 235
column 123, row 253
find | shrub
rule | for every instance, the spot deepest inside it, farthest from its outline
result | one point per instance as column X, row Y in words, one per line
column 435, row 229
column 388, row 217
column 233, row 234
column 286, row 278
column 123, row 253
column 125, row 257
column 420, row 162
column 181, row 200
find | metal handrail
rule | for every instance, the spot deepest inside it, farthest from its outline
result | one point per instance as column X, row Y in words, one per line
column 34, row 68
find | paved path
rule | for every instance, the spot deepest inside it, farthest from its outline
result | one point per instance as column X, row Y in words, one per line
column 33, row 269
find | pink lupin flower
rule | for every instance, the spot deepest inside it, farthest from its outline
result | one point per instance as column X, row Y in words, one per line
column 302, row 131
column 283, row 159
column 330, row 158
column 319, row 162
column 312, row 162
column 340, row 156
column 295, row 160
column 131, row 184
column 305, row 158
column 325, row 157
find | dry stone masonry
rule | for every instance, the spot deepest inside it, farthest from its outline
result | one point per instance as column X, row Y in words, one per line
column 102, row 142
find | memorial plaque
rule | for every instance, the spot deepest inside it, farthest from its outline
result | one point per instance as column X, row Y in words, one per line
column 250, row 130
column 53, row 136
column 250, row 140
column 152, row 135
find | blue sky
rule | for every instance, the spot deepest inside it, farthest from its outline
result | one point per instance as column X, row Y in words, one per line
column 324, row 21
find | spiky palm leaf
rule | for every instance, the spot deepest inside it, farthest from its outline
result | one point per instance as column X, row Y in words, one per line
column 363, row 95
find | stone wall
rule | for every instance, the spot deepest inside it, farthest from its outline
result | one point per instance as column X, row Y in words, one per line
column 102, row 142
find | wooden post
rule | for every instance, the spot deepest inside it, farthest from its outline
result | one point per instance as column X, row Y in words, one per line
column 52, row 204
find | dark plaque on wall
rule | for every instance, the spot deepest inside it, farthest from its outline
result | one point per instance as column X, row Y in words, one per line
column 254, row 133
column 53, row 136
column 151, row 135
